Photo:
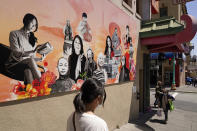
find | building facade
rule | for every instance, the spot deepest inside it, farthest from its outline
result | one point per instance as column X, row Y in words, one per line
column 161, row 36
column 124, row 101
column 51, row 112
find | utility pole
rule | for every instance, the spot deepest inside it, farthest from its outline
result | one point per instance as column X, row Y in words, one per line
column 173, row 87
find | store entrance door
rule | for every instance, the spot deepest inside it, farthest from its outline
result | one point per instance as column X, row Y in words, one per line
column 168, row 78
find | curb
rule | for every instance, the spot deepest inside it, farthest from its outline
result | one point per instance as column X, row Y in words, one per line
column 178, row 91
column 184, row 91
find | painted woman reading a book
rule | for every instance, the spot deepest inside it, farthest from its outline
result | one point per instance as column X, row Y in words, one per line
column 23, row 49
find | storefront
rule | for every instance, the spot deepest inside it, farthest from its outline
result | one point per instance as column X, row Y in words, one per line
column 165, row 35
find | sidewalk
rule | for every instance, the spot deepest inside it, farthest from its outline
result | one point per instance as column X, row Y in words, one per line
column 186, row 89
column 179, row 120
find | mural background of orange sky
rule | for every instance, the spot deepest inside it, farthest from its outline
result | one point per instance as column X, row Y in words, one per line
column 52, row 16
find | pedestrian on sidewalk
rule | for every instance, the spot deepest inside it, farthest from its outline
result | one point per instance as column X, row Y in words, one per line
column 92, row 94
column 194, row 81
column 166, row 97
column 158, row 93
column 165, row 104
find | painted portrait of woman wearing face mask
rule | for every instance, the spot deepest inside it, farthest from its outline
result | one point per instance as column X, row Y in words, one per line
column 77, row 59
column 63, row 83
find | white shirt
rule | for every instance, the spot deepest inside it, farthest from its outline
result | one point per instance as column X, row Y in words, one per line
column 86, row 122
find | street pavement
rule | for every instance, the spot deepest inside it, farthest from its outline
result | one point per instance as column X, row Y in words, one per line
column 182, row 118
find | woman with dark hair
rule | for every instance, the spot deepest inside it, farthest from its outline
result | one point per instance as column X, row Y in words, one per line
column 108, row 48
column 164, row 99
column 127, row 38
column 92, row 94
column 23, row 49
column 77, row 59
column 63, row 83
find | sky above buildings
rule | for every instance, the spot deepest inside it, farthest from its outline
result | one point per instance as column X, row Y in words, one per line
column 192, row 10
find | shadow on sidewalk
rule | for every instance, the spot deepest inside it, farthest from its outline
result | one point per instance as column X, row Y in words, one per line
column 157, row 121
column 140, row 123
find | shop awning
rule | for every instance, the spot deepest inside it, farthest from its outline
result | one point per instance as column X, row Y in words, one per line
column 166, row 55
column 167, row 34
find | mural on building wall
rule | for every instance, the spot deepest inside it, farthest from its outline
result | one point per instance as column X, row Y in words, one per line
column 53, row 46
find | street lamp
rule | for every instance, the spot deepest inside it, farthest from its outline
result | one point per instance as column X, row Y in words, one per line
column 173, row 87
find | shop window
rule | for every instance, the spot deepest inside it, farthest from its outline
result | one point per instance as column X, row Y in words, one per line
column 138, row 6
column 163, row 11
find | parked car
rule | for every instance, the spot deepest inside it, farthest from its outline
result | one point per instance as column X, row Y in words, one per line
column 188, row 80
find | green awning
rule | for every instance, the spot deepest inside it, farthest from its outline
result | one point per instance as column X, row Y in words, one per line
column 160, row 27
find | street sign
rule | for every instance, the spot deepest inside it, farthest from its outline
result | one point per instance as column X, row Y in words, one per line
column 180, row 1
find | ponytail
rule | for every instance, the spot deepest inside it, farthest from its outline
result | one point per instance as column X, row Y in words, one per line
column 89, row 91
column 78, row 103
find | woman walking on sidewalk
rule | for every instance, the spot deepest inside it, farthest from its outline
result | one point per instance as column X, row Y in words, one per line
column 158, row 93
column 91, row 96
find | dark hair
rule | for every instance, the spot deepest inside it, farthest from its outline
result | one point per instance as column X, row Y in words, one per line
column 128, row 40
column 89, row 91
column 81, row 42
column 28, row 18
column 127, row 26
column 84, row 15
column 65, row 46
column 92, row 53
column 106, row 46
column 159, row 83
column 26, row 21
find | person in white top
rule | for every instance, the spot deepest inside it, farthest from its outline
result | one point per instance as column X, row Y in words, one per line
column 92, row 95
